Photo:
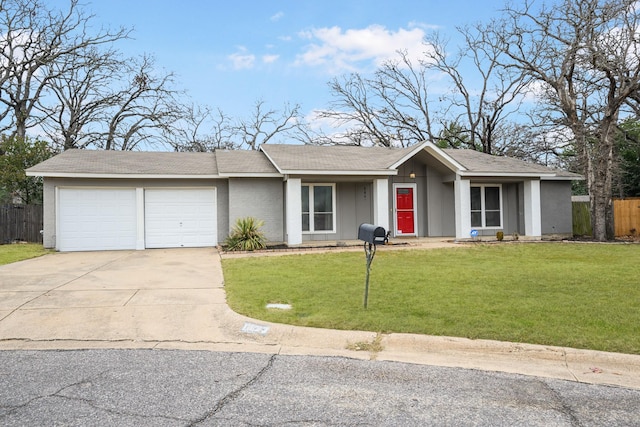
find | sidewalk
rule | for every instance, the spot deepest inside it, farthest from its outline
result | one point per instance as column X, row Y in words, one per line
column 174, row 299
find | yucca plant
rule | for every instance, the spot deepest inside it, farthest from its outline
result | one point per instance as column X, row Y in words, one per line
column 246, row 235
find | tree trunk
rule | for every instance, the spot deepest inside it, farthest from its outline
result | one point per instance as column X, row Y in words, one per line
column 602, row 183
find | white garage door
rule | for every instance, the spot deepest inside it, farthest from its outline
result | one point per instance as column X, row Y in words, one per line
column 180, row 218
column 96, row 219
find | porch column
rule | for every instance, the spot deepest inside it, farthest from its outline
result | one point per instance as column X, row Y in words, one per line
column 381, row 203
column 532, row 216
column 294, row 211
column 462, row 195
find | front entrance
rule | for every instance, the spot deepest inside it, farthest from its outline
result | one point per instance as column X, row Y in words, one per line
column 405, row 208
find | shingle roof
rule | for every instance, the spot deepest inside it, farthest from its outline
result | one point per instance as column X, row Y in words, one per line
column 477, row 162
column 243, row 162
column 128, row 163
column 303, row 159
column 332, row 158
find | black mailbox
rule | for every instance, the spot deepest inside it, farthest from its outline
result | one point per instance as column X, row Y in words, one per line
column 372, row 234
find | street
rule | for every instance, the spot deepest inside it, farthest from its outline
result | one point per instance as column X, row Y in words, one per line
column 205, row 388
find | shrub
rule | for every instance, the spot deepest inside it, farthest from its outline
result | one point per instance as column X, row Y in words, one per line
column 246, row 235
column 500, row 236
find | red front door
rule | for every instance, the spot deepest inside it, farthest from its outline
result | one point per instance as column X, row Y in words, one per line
column 405, row 211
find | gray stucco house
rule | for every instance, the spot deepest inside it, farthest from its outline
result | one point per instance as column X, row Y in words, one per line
column 101, row 200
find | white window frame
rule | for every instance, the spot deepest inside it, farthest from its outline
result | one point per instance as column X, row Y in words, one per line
column 311, row 210
column 483, row 212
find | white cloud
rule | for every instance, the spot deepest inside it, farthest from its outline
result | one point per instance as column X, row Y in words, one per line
column 277, row 16
column 348, row 50
column 270, row 59
column 242, row 60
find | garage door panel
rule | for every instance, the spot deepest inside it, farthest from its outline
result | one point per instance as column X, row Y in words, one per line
column 96, row 219
column 180, row 218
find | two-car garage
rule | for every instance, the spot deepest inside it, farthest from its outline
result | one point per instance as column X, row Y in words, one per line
column 135, row 218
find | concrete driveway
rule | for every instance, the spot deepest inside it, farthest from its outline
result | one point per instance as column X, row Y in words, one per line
column 174, row 298
column 169, row 298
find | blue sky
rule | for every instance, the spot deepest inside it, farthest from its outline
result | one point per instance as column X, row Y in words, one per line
column 228, row 54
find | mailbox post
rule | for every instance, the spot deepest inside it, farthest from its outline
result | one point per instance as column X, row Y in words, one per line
column 372, row 236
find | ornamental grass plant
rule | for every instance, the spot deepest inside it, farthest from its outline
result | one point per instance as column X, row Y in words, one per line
column 246, row 235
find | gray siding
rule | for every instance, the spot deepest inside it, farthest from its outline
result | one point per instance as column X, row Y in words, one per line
column 50, row 184
column 261, row 198
column 555, row 207
column 440, row 205
column 511, row 209
column 354, row 205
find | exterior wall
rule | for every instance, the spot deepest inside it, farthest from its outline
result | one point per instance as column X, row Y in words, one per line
column 511, row 207
column 261, row 198
column 440, row 205
column 354, row 205
column 356, row 202
column 50, row 184
column 556, row 211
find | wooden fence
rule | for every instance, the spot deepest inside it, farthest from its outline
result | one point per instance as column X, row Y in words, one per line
column 626, row 216
column 20, row 223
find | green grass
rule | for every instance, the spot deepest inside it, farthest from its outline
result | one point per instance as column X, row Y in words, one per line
column 575, row 295
column 19, row 252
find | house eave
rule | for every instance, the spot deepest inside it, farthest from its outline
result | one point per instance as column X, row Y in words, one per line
column 251, row 175
column 472, row 174
column 117, row 175
column 341, row 172
column 562, row 178
column 448, row 161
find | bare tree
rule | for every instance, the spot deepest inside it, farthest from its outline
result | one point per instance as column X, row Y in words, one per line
column 396, row 108
column 83, row 94
column 480, row 101
column 34, row 37
column 585, row 55
column 144, row 108
column 390, row 109
column 201, row 129
column 263, row 125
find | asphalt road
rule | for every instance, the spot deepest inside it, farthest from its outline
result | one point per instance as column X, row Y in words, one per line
column 203, row 388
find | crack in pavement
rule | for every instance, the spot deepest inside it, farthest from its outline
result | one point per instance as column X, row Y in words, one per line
column 564, row 408
column 59, row 394
column 566, row 365
column 234, row 394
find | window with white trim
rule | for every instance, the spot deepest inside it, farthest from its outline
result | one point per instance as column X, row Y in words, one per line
column 486, row 206
column 318, row 208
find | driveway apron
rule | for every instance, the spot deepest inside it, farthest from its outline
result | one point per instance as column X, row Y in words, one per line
column 153, row 295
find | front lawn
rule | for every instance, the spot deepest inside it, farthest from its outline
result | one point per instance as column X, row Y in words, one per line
column 564, row 294
column 19, row 252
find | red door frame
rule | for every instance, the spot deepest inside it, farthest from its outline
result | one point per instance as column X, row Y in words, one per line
column 404, row 214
